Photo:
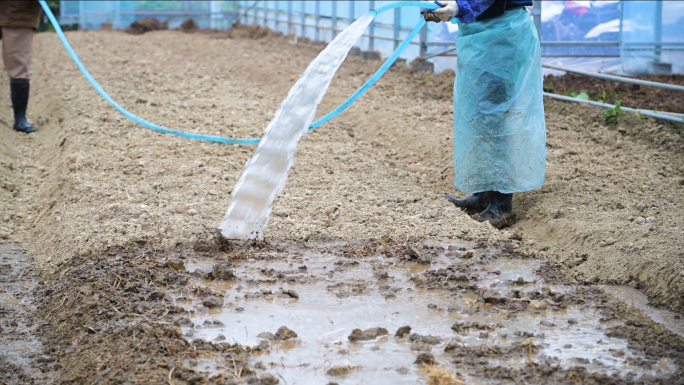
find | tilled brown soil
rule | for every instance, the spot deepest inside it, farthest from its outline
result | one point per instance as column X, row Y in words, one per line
column 100, row 204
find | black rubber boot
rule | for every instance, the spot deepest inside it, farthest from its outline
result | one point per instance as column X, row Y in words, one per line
column 500, row 211
column 473, row 204
column 19, row 91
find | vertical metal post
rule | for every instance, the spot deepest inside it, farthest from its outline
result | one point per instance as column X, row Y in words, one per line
column 352, row 13
column 303, row 18
column 622, row 17
column 264, row 14
column 536, row 17
column 215, row 7
column 318, row 20
column 658, row 35
column 334, row 19
column 276, row 14
column 256, row 14
column 289, row 17
column 81, row 16
column 397, row 26
column 371, row 28
column 423, row 36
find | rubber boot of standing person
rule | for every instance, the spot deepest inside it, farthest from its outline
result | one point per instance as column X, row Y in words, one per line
column 18, row 20
column 499, row 127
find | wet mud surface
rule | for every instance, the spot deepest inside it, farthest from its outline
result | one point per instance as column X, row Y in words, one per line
column 18, row 326
column 376, row 311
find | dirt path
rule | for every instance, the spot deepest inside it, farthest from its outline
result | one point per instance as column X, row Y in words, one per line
column 91, row 184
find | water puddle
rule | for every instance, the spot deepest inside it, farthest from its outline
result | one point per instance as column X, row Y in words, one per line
column 16, row 283
column 634, row 297
column 334, row 295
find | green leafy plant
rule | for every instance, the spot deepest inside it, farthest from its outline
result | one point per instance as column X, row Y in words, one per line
column 612, row 115
column 602, row 96
column 582, row 95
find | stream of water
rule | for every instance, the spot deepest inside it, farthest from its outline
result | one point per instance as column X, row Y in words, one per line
column 265, row 174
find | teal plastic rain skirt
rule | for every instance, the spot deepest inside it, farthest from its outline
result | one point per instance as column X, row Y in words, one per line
column 499, row 128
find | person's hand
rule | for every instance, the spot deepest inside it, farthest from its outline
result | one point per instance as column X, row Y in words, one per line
column 429, row 16
column 448, row 11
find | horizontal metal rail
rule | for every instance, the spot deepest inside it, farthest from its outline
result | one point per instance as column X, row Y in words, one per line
column 580, row 43
column 545, row 43
column 331, row 28
column 167, row 12
column 299, row 15
column 342, row 29
column 622, row 79
column 443, row 53
column 654, row 43
column 651, row 114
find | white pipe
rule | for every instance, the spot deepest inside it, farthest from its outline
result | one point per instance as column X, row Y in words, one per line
column 604, row 105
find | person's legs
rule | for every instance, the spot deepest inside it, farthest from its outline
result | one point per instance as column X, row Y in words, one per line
column 17, row 44
column 499, row 212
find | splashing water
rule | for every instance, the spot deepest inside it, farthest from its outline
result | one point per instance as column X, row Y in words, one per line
column 265, row 174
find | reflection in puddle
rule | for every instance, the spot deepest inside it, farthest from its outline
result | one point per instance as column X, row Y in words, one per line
column 634, row 297
column 337, row 296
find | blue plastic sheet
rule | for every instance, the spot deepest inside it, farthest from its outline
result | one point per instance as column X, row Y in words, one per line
column 499, row 128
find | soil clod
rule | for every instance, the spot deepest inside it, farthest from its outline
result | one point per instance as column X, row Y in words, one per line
column 403, row 332
column 368, row 334
column 425, row 359
column 284, row 333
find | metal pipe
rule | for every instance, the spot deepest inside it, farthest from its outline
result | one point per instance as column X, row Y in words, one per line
column 303, row 18
column 551, row 43
column 263, row 16
column 289, row 17
column 371, row 28
column 622, row 16
column 422, row 40
column 604, row 105
column 352, row 13
column 397, row 26
column 536, row 17
column 318, row 20
column 580, row 44
column 443, row 53
column 581, row 55
column 618, row 78
column 334, row 19
column 658, row 33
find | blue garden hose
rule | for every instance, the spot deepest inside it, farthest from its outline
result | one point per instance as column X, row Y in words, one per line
column 223, row 139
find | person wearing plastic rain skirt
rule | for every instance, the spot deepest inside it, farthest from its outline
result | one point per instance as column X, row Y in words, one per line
column 499, row 128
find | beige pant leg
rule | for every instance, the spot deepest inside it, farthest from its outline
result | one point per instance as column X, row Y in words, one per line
column 17, row 44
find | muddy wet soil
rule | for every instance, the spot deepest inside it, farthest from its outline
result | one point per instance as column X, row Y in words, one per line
column 371, row 311
column 454, row 306
column 18, row 339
